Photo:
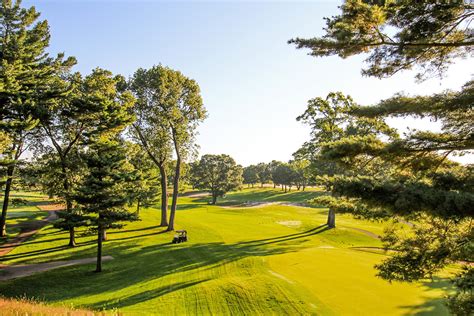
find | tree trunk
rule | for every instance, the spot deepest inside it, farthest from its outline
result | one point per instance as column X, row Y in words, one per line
column 285, row 188
column 6, row 198
column 72, row 237
column 331, row 218
column 274, row 185
column 174, row 203
column 214, row 199
column 164, row 196
column 99, row 250
column 138, row 207
column 261, row 184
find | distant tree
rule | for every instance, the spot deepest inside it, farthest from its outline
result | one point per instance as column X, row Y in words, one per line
column 272, row 168
column 331, row 122
column 250, row 175
column 301, row 173
column 103, row 194
column 399, row 35
column 28, row 77
column 283, row 175
column 264, row 173
column 169, row 99
column 217, row 174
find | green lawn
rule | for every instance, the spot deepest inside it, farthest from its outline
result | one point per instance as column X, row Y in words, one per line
column 272, row 259
column 19, row 215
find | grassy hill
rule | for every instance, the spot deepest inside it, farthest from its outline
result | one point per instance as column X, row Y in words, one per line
column 242, row 258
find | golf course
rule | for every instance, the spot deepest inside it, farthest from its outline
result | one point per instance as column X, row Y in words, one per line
column 258, row 251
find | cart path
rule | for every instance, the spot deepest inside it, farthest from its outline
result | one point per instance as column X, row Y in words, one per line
column 22, row 270
column 31, row 228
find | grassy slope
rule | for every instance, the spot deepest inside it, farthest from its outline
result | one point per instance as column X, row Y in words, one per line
column 259, row 260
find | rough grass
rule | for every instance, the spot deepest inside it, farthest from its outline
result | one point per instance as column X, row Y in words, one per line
column 11, row 307
column 237, row 261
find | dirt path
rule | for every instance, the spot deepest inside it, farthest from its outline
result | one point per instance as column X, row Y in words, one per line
column 31, row 228
column 22, row 270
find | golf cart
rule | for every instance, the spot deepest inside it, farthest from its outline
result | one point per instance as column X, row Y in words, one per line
column 180, row 236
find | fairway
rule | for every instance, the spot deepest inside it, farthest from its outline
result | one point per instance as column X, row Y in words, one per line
column 273, row 258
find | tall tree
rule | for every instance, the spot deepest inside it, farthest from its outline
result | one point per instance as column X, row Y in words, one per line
column 28, row 77
column 150, row 129
column 399, row 35
column 217, row 174
column 103, row 194
column 65, row 121
column 174, row 102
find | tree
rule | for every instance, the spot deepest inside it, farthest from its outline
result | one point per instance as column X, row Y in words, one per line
column 28, row 77
column 250, row 175
column 301, row 173
column 145, row 187
column 330, row 122
column 264, row 173
column 272, row 168
column 65, row 122
column 169, row 108
column 103, row 194
column 283, row 175
column 217, row 174
column 418, row 178
column 399, row 35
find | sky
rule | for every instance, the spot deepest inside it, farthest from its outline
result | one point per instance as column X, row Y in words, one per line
column 253, row 83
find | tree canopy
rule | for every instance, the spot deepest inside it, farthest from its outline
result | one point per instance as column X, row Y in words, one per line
column 398, row 35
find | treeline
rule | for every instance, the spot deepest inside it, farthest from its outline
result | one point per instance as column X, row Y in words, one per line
column 293, row 173
column 100, row 142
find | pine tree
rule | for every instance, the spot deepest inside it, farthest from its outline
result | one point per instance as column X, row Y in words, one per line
column 28, row 77
column 104, row 193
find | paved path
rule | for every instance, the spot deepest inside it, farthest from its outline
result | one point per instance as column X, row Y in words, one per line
column 31, row 228
column 22, row 270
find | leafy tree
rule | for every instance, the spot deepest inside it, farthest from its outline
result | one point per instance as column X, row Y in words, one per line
column 169, row 108
column 398, row 35
column 250, row 175
column 264, row 173
column 284, row 176
column 331, row 122
column 217, row 174
column 301, row 173
column 150, row 130
column 103, row 194
column 28, row 77
column 272, row 169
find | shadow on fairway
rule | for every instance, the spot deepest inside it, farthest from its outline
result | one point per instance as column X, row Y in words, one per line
column 432, row 306
column 145, row 264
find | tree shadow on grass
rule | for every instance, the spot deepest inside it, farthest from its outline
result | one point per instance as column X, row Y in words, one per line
column 144, row 296
column 145, row 264
column 432, row 306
